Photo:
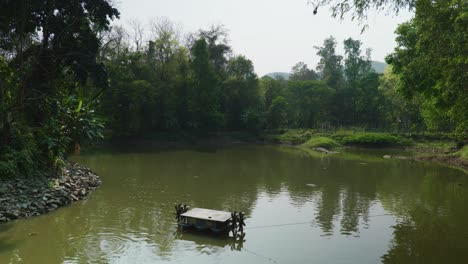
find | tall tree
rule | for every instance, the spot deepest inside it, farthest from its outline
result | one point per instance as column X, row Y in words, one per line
column 309, row 103
column 218, row 47
column 52, row 49
column 400, row 114
column 205, row 89
column 330, row 66
column 300, row 72
column 430, row 59
column 270, row 89
column 361, row 85
column 356, row 65
column 240, row 91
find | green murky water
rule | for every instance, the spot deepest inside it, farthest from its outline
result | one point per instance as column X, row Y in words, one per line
column 302, row 208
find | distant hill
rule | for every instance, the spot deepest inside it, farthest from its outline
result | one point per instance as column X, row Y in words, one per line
column 378, row 66
column 278, row 75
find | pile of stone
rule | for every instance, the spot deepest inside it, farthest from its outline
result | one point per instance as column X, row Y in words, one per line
column 26, row 197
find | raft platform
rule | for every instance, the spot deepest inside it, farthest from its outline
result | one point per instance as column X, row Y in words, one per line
column 208, row 219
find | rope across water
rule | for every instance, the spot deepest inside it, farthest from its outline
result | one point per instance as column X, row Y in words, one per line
column 299, row 223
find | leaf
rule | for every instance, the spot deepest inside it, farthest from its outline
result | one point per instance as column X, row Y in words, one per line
column 80, row 104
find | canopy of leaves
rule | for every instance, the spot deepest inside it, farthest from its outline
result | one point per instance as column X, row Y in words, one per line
column 431, row 60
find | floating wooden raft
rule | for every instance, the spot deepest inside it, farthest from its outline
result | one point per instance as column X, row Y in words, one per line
column 207, row 219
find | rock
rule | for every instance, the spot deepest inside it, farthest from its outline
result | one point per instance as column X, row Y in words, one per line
column 395, row 157
column 74, row 198
column 21, row 198
column 11, row 215
column 322, row 150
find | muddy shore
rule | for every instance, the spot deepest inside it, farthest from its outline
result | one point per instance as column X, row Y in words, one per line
column 26, row 197
column 448, row 160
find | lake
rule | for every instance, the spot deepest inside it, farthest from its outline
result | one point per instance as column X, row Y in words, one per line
column 302, row 207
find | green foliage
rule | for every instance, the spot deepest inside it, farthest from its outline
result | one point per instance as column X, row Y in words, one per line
column 400, row 114
column 300, row 72
column 430, row 59
column 277, row 114
column 294, row 136
column 464, row 152
column 49, row 80
column 375, row 140
column 253, row 120
column 323, row 142
column 241, row 92
column 360, row 8
column 21, row 156
column 205, row 90
column 309, row 102
column 330, row 64
column 270, row 89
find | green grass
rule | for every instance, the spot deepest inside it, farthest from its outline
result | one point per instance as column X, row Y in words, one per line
column 321, row 142
column 293, row 136
column 375, row 140
column 464, row 152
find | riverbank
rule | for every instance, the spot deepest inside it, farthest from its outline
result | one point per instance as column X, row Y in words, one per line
column 27, row 197
column 428, row 148
column 440, row 148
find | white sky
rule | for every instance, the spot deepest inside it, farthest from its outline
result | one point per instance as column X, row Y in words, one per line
column 274, row 34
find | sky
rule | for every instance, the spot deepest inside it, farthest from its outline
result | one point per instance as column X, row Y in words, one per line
column 274, row 34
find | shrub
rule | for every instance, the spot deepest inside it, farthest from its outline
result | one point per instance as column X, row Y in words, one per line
column 375, row 140
column 464, row 152
column 295, row 137
column 321, row 142
column 20, row 157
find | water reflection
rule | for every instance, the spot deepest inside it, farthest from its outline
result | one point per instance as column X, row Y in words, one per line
column 301, row 207
column 202, row 240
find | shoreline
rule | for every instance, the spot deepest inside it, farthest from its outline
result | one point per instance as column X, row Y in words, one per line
column 27, row 197
column 430, row 151
column 446, row 160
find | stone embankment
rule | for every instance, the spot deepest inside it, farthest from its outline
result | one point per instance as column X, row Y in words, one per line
column 26, row 197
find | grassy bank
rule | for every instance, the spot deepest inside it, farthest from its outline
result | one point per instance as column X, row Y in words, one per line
column 432, row 147
column 441, row 148
column 346, row 138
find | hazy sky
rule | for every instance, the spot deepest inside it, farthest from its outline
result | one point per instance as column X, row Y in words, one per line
column 274, row 34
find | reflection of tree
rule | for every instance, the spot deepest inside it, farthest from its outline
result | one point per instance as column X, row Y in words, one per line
column 434, row 221
column 6, row 243
column 328, row 207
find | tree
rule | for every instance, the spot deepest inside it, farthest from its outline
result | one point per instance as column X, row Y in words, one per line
column 51, row 47
column 278, row 113
column 356, row 65
column 330, row 66
column 270, row 89
column 309, row 103
column 205, row 89
column 368, row 102
column 218, row 47
column 240, row 91
column 300, row 72
column 67, row 40
column 360, row 8
column 400, row 114
column 360, row 96
column 138, row 33
column 430, row 59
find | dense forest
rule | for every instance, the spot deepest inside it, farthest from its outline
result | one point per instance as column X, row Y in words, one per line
column 67, row 76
